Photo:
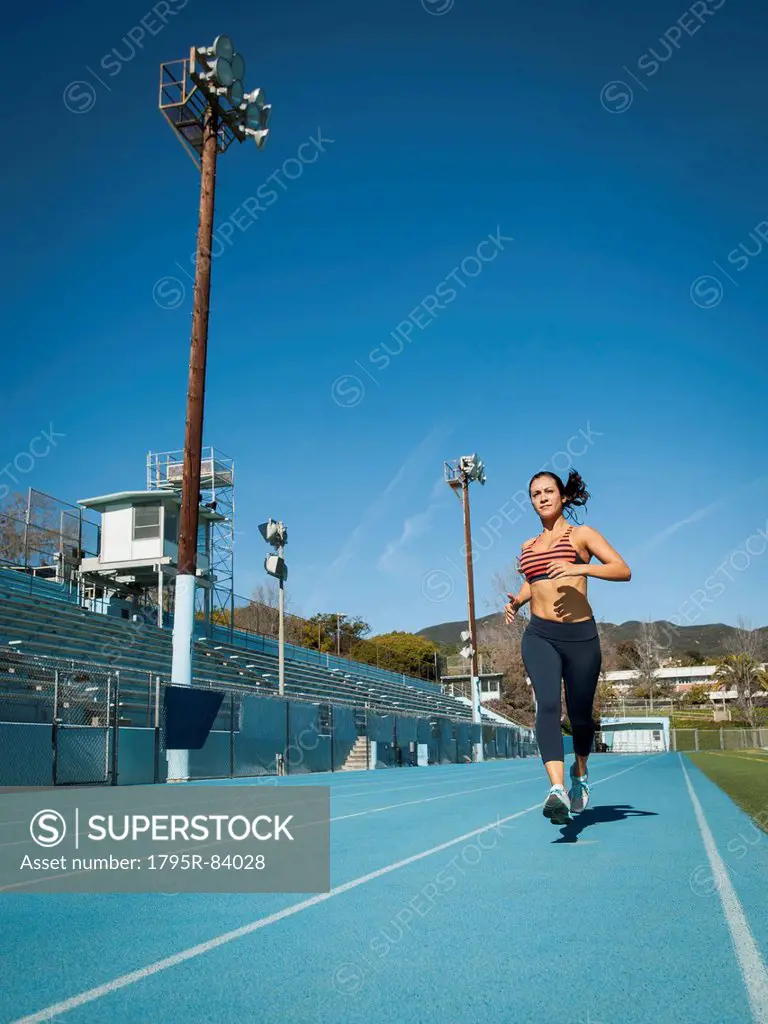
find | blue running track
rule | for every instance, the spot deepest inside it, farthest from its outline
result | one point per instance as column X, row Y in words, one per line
column 453, row 900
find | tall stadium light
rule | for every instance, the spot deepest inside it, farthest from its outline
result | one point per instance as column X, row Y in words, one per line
column 203, row 99
column 276, row 534
column 458, row 475
column 339, row 617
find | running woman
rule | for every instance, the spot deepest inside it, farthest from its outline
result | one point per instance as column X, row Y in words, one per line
column 561, row 641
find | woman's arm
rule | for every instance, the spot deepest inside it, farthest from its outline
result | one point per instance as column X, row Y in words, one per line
column 517, row 601
column 614, row 568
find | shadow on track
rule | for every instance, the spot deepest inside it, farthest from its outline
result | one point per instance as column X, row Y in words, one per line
column 598, row 816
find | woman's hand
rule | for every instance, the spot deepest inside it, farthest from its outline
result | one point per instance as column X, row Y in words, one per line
column 511, row 609
column 558, row 570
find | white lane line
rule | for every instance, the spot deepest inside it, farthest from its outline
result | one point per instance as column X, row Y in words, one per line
column 311, row 779
column 431, row 799
column 306, row 824
column 747, row 951
column 90, row 995
column 415, row 784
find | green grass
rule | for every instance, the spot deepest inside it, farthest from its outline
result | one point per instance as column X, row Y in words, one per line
column 742, row 774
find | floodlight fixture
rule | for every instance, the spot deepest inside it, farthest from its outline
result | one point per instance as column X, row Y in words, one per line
column 473, row 467
column 235, row 94
column 274, row 533
column 259, row 136
column 238, row 66
column 222, row 73
column 222, row 47
column 257, row 98
column 275, row 566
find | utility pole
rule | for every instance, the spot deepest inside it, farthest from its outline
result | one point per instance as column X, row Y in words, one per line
column 281, row 623
column 203, row 99
column 470, row 579
column 276, row 534
column 458, row 477
column 184, row 608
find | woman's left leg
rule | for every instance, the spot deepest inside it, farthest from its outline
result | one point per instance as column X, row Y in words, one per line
column 582, row 660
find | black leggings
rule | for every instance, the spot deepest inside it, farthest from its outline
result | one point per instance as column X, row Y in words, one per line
column 567, row 651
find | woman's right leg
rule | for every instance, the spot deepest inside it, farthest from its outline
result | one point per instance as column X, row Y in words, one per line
column 545, row 670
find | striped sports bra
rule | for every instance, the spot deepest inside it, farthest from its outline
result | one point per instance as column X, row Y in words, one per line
column 534, row 564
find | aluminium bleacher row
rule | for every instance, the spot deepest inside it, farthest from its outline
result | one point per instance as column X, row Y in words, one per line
column 143, row 652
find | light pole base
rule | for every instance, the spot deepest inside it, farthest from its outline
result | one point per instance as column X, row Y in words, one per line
column 181, row 665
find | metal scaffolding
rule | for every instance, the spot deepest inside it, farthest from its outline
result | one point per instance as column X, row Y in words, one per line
column 217, row 491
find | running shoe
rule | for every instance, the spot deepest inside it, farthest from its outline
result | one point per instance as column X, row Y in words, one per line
column 579, row 794
column 557, row 806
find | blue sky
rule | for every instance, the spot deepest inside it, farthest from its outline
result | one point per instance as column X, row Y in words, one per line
column 617, row 154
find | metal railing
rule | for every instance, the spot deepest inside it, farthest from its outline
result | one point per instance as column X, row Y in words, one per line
column 64, row 722
column 719, row 739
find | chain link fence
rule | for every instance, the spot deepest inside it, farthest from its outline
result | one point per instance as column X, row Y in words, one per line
column 67, row 723
column 58, row 722
column 719, row 739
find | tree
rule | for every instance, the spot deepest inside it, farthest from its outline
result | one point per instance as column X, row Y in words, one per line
column 696, row 696
column 12, row 519
column 52, row 529
column 500, row 646
column 262, row 614
column 741, row 670
column 398, row 651
column 627, row 655
column 326, row 632
column 649, row 650
column 691, row 658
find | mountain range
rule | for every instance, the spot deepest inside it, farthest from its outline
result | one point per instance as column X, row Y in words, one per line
column 709, row 641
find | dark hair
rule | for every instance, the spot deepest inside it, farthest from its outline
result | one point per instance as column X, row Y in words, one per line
column 573, row 492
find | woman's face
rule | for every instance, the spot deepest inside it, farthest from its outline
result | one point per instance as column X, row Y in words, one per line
column 545, row 497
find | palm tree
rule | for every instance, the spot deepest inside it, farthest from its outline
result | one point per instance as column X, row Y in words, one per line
column 745, row 675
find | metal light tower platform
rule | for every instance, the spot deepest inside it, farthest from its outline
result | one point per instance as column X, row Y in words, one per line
column 186, row 95
column 165, row 471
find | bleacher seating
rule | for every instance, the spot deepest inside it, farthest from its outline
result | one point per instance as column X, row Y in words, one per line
column 142, row 652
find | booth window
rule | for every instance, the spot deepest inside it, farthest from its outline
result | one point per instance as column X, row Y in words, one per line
column 171, row 531
column 146, row 522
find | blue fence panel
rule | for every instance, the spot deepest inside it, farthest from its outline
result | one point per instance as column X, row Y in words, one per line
column 26, row 757
column 309, row 741
column 463, row 742
column 261, row 735
column 344, row 734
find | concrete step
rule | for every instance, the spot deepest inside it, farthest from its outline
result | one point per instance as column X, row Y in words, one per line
column 357, row 759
